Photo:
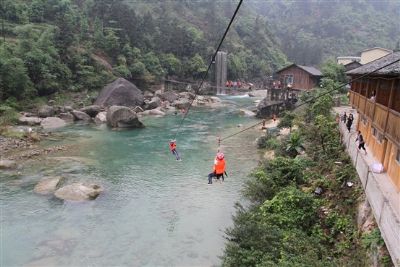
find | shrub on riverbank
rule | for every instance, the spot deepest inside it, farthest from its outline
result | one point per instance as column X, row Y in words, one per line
column 285, row 222
column 8, row 115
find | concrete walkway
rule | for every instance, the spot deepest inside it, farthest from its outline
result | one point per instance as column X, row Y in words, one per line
column 381, row 192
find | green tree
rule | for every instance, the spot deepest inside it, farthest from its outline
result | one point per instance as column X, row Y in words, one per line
column 14, row 80
column 152, row 63
column 111, row 43
column 286, row 120
column 36, row 11
column 196, row 66
column 171, row 64
column 334, row 71
column 294, row 145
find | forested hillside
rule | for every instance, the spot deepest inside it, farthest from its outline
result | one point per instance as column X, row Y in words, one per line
column 311, row 31
column 75, row 45
column 79, row 45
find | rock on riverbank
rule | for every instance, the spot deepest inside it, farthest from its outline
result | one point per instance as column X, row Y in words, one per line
column 48, row 185
column 121, row 92
column 79, row 192
column 122, row 117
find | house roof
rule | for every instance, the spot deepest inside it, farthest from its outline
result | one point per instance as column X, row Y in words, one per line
column 353, row 63
column 311, row 70
column 376, row 47
column 393, row 69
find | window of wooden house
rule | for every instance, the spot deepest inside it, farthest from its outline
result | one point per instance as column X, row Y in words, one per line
column 380, row 137
column 374, row 131
column 396, row 97
column 364, row 120
column 383, row 92
column 289, row 79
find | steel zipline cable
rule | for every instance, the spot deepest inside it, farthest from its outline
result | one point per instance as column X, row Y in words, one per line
column 209, row 66
column 316, row 97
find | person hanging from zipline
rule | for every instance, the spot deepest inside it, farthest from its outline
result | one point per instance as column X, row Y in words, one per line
column 218, row 168
column 172, row 147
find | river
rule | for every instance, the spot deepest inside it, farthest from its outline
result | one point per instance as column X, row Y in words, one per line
column 154, row 211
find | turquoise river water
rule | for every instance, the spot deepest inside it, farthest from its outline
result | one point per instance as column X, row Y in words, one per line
column 154, row 211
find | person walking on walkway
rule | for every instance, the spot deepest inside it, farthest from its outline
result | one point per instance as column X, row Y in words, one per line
column 344, row 117
column 361, row 142
column 349, row 122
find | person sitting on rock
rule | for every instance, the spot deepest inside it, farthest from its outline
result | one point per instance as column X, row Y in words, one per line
column 218, row 168
column 172, row 147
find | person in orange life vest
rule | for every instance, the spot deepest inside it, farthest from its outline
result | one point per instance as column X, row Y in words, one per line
column 218, row 168
column 172, row 147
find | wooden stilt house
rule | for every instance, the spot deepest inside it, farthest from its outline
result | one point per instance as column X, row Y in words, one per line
column 377, row 100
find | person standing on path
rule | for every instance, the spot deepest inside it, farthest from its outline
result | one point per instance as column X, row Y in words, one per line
column 361, row 142
column 344, row 117
column 349, row 122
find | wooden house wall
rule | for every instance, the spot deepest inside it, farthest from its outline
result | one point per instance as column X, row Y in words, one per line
column 383, row 115
column 391, row 165
column 396, row 97
column 301, row 79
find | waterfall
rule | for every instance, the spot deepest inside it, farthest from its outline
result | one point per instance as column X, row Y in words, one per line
column 220, row 72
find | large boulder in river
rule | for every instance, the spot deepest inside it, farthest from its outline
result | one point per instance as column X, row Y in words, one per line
column 154, row 103
column 91, row 110
column 169, row 96
column 182, row 103
column 66, row 116
column 31, row 121
column 187, row 95
column 122, row 117
column 80, row 116
column 52, row 122
column 7, row 164
column 245, row 112
column 264, row 108
column 101, row 118
column 46, row 111
column 148, row 94
column 120, row 93
column 78, row 192
column 153, row 112
column 48, row 185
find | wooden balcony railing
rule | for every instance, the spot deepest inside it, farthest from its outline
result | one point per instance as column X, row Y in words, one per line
column 369, row 109
column 393, row 126
column 380, row 116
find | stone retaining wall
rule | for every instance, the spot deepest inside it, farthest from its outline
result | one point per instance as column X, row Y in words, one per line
column 383, row 203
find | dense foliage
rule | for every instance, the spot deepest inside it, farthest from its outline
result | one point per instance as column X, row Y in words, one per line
column 311, row 31
column 286, row 222
column 73, row 45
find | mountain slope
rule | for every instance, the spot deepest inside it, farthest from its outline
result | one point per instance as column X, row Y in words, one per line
column 311, row 31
